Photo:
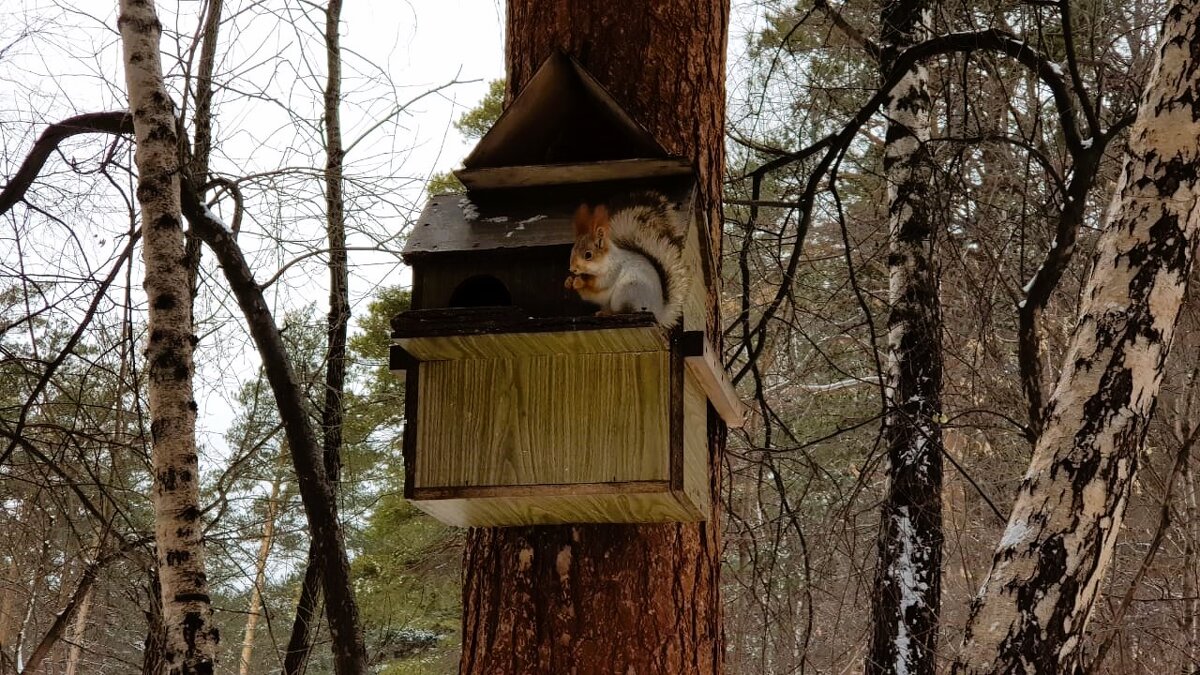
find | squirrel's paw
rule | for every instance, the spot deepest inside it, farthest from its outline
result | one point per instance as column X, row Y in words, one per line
column 575, row 282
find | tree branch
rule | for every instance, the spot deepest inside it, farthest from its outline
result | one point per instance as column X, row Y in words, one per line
column 114, row 122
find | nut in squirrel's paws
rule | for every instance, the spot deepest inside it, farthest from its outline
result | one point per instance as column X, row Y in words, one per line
column 574, row 282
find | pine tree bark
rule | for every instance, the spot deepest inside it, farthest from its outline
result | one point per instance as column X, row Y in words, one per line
column 1033, row 608
column 254, row 611
column 1192, row 515
column 191, row 634
column 613, row 598
column 78, row 632
column 908, row 575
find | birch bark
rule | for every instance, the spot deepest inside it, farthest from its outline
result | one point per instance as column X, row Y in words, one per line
column 191, row 637
column 1031, row 613
column 904, row 606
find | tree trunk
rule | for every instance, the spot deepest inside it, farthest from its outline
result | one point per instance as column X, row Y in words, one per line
column 191, row 635
column 613, row 598
column 78, row 631
column 1189, row 570
column 197, row 167
column 300, row 641
column 8, row 617
column 1031, row 613
column 320, row 503
column 153, row 647
column 335, row 225
column 306, row 617
column 254, row 611
column 908, row 576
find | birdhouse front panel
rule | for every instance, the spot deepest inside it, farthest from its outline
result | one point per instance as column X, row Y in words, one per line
column 549, row 421
column 544, row 420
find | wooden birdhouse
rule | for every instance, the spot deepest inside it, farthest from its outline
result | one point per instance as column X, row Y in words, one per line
column 522, row 406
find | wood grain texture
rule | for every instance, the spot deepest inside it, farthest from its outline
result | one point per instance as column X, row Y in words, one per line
column 562, row 115
column 475, row 491
column 704, row 364
column 559, row 174
column 513, row 345
column 695, row 444
column 477, row 321
column 661, row 507
column 543, row 419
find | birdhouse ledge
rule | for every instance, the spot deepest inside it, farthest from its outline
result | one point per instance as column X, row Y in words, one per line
column 455, row 333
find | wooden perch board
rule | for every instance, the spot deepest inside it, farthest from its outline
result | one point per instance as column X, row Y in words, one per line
column 703, row 363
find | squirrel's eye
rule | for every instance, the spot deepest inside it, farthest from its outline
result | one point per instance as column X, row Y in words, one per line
column 587, row 255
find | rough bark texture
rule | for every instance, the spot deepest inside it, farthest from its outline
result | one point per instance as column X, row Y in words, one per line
column 1032, row 610
column 612, row 598
column 295, row 658
column 1192, row 516
column 908, row 578
column 197, row 165
column 191, row 634
column 335, row 225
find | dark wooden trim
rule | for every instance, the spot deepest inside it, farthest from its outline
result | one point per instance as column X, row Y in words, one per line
column 676, row 411
column 494, row 178
column 399, row 360
column 541, row 489
column 416, row 298
column 551, row 102
column 490, row 320
column 411, row 399
column 692, row 343
column 515, row 219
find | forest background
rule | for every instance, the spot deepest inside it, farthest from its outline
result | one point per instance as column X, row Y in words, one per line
column 805, row 305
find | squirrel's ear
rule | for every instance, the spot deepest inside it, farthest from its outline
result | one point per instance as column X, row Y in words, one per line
column 582, row 220
column 600, row 221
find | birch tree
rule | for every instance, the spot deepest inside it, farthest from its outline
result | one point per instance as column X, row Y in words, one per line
column 1032, row 610
column 191, row 635
column 908, row 587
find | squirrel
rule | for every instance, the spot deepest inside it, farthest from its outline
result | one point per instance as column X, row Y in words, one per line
column 632, row 259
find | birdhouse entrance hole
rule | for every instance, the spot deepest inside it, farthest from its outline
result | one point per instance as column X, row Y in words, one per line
column 481, row 290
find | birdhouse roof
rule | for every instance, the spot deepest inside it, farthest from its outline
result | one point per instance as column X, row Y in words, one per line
column 564, row 127
column 530, row 217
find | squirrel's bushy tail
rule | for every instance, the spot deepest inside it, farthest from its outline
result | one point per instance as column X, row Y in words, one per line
column 650, row 224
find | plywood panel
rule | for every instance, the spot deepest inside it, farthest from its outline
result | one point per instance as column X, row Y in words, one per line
column 548, row 509
column 695, row 444
column 549, row 419
column 704, row 364
column 513, row 345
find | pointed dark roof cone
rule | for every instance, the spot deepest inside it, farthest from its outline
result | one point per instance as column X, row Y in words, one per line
column 564, row 127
